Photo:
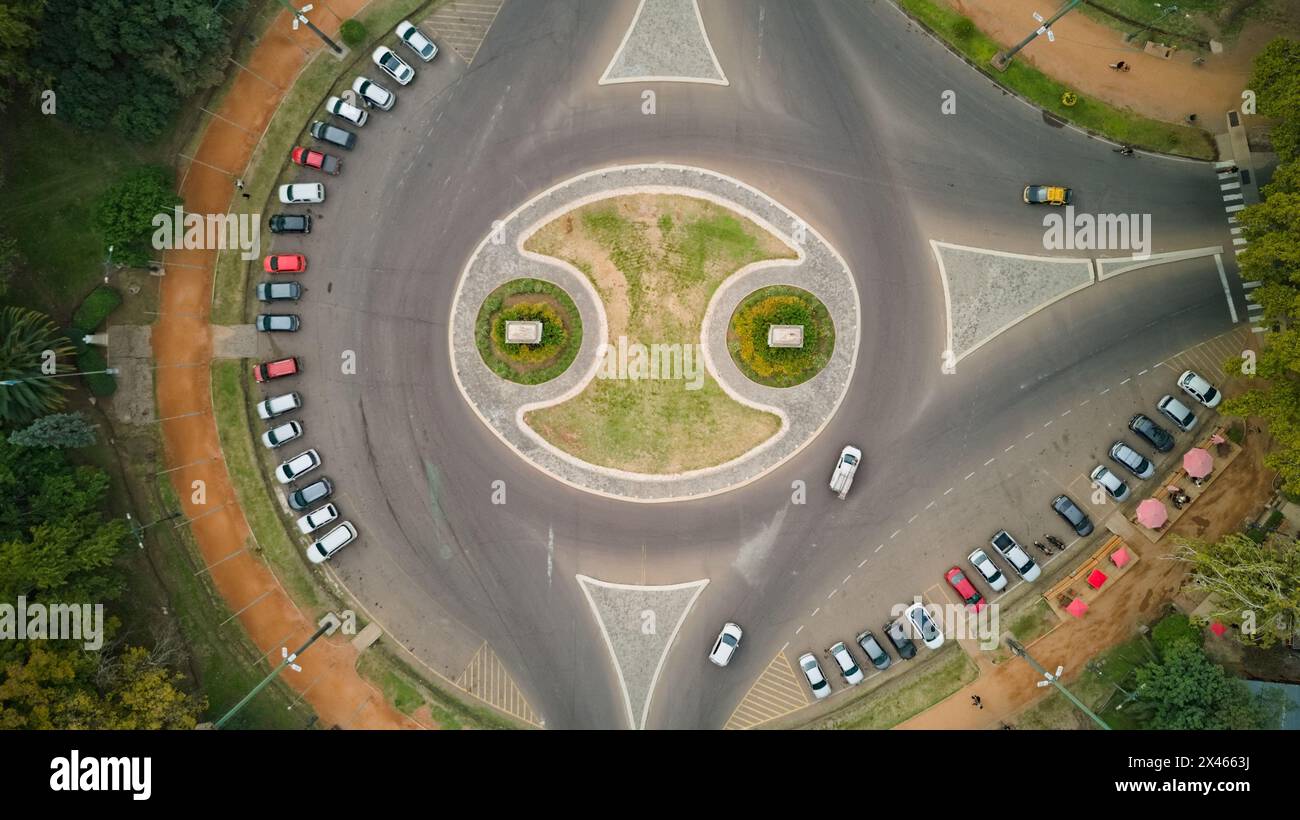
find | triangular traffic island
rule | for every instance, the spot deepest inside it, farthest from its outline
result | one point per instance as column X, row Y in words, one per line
column 666, row 42
column 639, row 624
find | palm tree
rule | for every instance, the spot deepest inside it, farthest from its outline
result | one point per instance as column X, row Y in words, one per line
column 29, row 340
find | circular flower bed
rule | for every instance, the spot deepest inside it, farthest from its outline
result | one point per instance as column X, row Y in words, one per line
column 780, row 366
column 528, row 300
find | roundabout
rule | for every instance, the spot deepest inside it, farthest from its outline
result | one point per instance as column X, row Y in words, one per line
column 716, row 429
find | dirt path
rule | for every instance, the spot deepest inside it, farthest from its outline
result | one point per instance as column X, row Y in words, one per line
column 328, row 680
column 1164, row 89
column 1009, row 687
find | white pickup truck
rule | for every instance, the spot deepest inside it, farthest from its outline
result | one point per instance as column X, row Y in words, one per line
column 842, row 478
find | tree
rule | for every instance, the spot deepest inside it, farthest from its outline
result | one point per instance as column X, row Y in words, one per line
column 124, row 213
column 30, row 345
column 133, row 62
column 19, row 20
column 1184, row 689
column 1275, row 79
column 56, row 430
column 1255, row 586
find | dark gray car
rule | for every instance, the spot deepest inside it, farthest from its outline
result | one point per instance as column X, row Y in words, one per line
column 874, row 651
column 1155, row 435
column 318, row 490
column 279, row 291
column 1073, row 516
column 897, row 635
column 341, row 137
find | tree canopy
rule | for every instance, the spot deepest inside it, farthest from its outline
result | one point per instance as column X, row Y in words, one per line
column 1255, row 586
column 1184, row 689
column 124, row 213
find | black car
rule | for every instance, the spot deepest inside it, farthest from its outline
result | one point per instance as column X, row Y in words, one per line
column 318, row 490
column 341, row 137
column 874, row 651
column 1155, row 435
column 897, row 635
column 1073, row 516
column 290, row 223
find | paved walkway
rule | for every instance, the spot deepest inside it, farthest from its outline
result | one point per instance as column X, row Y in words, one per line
column 328, row 680
column 1164, row 89
column 804, row 409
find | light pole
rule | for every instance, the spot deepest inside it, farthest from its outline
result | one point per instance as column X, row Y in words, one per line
column 300, row 16
column 1128, row 38
column 1053, row 680
column 327, row 626
column 112, row 371
column 137, row 529
column 1002, row 59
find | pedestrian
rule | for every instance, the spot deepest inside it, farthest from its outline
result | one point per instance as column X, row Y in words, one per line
column 239, row 183
column 1191, row 119
column 1232, row 170
column 976, row 702
column 1120, row 66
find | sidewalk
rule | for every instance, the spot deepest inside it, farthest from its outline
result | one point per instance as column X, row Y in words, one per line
column 1010, row 687
column 1164, row 89
column 328, row 681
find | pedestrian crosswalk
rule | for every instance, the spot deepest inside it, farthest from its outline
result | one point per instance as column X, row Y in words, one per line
column 464, row 24
column 1229, row 176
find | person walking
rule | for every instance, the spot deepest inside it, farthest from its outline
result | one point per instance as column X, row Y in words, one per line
column 239, row 185
column 976, row 702
column 1120, row 66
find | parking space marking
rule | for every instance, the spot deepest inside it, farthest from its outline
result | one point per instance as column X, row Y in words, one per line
column 777, row 692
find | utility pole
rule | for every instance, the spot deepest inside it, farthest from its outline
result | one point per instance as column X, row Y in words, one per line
column 1002, row 59
column 300, row 16
column 1049, row 678
column 327, row 626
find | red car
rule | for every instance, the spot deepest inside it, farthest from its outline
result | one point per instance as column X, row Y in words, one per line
column 315, row 159
column 965, row 589
column 276, row 370
column 285, row 263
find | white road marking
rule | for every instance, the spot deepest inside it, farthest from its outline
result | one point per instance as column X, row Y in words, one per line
column 846, row 579
column 1227, row 294
column 1104, row 392
column 797, row 631
column 1009, row 449
column 1126, row 381
column 815, row 611
column 879, row 547
column 968, row 475
column 950, row 489
column 930, row 505
column 990, row 461
column 910, row 520
column 863, row 561
column 896, row 532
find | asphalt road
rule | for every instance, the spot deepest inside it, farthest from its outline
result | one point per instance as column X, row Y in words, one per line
column 834, row 110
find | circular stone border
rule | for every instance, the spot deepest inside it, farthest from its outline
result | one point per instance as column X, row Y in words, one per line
column 739, row 361
column 573, row 335
column 804, row 410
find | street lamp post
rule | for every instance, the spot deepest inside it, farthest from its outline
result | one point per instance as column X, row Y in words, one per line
column 1049, row 678
column 327, row 626
column 299, row 16
column 1002, row 59
column 1128, row 38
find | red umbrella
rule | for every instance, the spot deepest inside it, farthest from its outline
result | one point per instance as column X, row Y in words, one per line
column 1096, row 578
column 1152, row 514
column 1077, row 607
column 1197, row 462
column 1218, row 629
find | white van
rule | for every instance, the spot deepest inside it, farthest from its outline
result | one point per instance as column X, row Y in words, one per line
column 346, row 111
column 278, row 405
column 298, row 193
column 374, row 94
column 331, row 542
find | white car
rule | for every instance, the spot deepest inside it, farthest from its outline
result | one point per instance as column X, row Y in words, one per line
column 726, row 645
column 1015, row 554
column 845, row 468
column 392, row 65
column 820, row 686
column 278, row 405
column 346, row 111
column 1110, row 482
column 924, row 626
column 331, row 542
column 848, row 667
column 374, row 94
column 280, row 435
column 317, row 518
column 1132, row 460
column 1177, row 412
column 416, row 41
column 988, row 570
column 296, row 467
column 1198, row 388
column 298, row 193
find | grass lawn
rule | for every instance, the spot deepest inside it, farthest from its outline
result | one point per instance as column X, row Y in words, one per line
column 250, row 474
column 907, row 695
column 1117, row 124
column 656, row 261
column 409, row 694
column 52, row 177
column 323, row 75
column 1033, row 622
column 780, row 305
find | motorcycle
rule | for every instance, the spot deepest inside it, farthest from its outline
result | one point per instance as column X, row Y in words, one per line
column 1042, row 548
column 1054, row 541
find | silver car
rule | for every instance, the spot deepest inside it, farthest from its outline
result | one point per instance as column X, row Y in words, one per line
column 1109, row 482
column 392, row 65
column 813, row 672
column 988, row 570
column 1177, row 412
column 1132, row 460
column 1199, row 388
column 848, row 667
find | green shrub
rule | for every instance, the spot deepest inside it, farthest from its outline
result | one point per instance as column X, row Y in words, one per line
column 1237, row 433
column 780, row 366
column 353, row 33
column 101, row 385
column 96, row 307
column 528, row 364
column 1174, row 628
column 963, row 28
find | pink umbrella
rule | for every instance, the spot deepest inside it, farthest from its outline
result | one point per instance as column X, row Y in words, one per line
column 1152, row 514
column 1077, row 607
column 1120, row 557
column 1217, row 439
column 1197, row 462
